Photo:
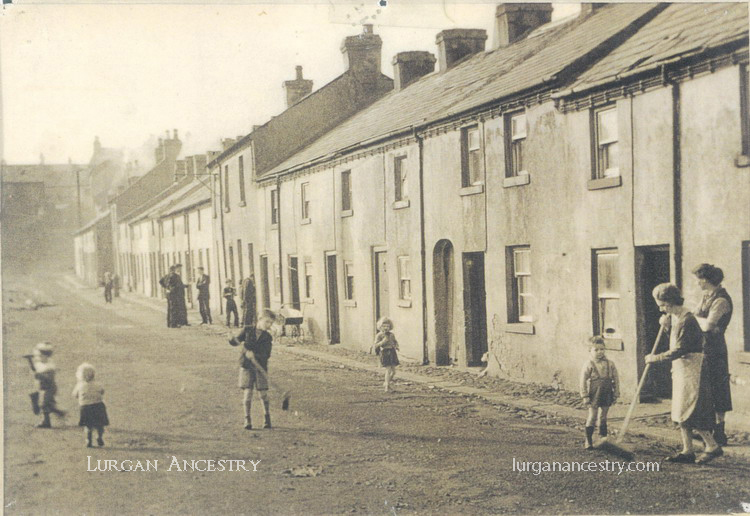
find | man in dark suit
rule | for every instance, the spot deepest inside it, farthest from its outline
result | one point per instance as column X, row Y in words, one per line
column 202, row 284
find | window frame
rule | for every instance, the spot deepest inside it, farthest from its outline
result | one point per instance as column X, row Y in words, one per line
column 597, row 166
column 241, row 178
column 400, row 179
column 304, row 201
column 227, row 206
column 308, row 277
column 514, row 293
column 466, row 171
column 597, row 298
column 349, row 286
column 510, row 142
column 346, row 192
column 404, row 277
column 274, row 204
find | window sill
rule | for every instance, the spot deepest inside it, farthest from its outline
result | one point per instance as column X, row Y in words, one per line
column 226, row 209
column 742, row 161
column 604, row 182
column 520, row 327
column 305, row 221
column 404, row 303
column 743, row 357
column 519, row 180
column 346, row 213
column 614, row 344
column 309, row 301
column 274, row 226
column 472, row 190
column 242, row 204
column 400, row 205
column 351, row 303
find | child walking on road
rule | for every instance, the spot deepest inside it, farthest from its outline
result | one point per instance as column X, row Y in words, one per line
column 90, row 396
column 386, row 346
column 256, row 351
column 600, row 388
column 229, row 292
column 44, row 370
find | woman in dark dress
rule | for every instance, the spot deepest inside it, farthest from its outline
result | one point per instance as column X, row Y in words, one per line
column 713, row 315
column 691, row 396
column 177, row 310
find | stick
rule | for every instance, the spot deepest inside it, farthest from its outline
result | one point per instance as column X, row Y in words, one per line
column 285, row 394
column 638, row 390
column 615, row 448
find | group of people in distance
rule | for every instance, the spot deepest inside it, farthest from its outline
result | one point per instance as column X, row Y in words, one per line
column 701, row 394
column 177, row 309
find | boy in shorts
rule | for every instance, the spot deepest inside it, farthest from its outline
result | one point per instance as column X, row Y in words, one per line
column 256, row 351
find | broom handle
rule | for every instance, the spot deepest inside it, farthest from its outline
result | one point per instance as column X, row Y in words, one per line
column 263, row 372
column 638, row 390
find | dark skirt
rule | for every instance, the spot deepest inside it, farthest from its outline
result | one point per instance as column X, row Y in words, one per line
column 388, row 357
column 718, row 373
column 94, row 415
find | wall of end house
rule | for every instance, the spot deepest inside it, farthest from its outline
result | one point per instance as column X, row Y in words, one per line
column 716, row 204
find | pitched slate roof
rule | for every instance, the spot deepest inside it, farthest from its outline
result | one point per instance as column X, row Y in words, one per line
column 167, row 198
column 679, row 31
column 480, row 79
column 93, row 222
column 200, row 194
column 178, row 199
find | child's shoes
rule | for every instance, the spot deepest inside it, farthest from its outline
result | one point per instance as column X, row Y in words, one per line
column 267, row 423
column 100, row 441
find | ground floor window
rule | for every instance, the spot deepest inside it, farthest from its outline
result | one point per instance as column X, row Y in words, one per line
column 404, row 277
column 606, row 287
column 349, row 285
column 519, row 284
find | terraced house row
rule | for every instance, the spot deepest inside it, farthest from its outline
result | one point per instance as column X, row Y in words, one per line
column 510, row 200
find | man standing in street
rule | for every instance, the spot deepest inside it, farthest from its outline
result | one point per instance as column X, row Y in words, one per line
column 202, row 284
column 247, row 301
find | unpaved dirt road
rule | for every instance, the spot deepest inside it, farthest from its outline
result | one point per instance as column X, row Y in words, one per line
column 172, row 393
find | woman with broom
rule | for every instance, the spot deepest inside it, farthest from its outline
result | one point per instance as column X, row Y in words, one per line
column 691, row 396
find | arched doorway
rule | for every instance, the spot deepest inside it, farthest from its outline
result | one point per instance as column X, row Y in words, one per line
column 442, row 267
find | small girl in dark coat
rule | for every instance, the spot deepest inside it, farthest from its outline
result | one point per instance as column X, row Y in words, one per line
column 600, row 388
column 386, row 346
column 90, row 396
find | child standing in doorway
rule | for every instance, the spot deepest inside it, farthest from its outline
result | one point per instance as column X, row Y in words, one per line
column 600, row 388
column 90, row 396
column 386, row 346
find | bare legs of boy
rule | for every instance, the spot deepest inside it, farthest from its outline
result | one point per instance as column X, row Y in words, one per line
column 247, row 399
column 591, row 420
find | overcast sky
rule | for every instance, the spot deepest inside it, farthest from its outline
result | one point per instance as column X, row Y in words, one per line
column 127, row 73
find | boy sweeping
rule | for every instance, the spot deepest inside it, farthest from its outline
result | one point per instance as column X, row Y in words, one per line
column 256, row 351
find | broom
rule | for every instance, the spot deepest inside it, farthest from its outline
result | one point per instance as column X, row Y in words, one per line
column 616, row 448
column 285, row 395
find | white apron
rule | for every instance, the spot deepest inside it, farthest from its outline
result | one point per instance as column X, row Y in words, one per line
column 686, row 380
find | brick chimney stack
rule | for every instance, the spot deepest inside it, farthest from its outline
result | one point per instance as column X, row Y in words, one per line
column 514, row 21
column 362, row 53
column 298, row 88
column 455, row 44
column 590, row 8
column 410, row 66
column 97, row 145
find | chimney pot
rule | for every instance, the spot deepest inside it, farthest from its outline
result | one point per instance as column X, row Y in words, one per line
column 590, row 8
column 410, row 66
column 297, row 89
column 455, row 44
column 362, row 53
column 514, row 20
column 367, row 28
column 175, row 134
